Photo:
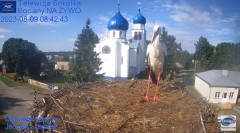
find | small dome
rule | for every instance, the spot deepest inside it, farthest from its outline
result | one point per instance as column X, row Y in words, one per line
column 139, row 19
column 117, row 22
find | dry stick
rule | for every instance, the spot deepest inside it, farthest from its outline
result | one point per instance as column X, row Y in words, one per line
column 54, row 100
column 74, row 123
column 57, row 131
column 121, row 127
column 74, row 110
column 133, row 83
column 204, row 129
column 64, row 124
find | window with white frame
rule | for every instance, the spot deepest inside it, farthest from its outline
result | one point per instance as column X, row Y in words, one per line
column 231, row 95
column 224, row 95
column 217, row 94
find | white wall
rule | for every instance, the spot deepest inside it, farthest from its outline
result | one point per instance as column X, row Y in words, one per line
column 223, row 90
column 133, row 59
column 202, row 87
column 142, row 42
column 109, row 60
column 209, row 93
column 125, row 61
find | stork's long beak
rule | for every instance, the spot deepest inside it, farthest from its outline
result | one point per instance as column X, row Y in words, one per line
column 154, row 35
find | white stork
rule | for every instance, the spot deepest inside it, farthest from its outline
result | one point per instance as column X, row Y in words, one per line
column 157, row 58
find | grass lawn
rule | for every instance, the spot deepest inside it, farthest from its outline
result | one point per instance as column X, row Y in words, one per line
column 9, row 82
column 57, row 81
column 12, row 83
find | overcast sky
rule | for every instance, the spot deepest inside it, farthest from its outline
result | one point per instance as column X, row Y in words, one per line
column 187, row 20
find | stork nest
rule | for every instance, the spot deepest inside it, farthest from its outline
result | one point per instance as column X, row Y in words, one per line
column 118, row 106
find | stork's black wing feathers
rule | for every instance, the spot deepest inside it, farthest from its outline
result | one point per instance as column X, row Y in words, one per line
column 153, row 77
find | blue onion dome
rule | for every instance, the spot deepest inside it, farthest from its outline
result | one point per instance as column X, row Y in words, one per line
column 139, row 19
column 117, row 22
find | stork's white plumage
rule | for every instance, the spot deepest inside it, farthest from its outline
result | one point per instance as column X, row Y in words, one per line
column 157, row 58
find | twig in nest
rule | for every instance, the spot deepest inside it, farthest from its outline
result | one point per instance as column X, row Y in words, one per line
column 122, row 126
column 133, row 83
column 202, row 122
column 64, row 124
column 54, row 100
column 74, row 123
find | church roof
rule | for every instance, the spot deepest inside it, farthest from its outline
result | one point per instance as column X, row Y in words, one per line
column 139, row 19
column 117, row 22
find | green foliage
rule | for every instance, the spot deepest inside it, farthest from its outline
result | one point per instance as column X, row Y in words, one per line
column 86, row 63
column 172, row 48
column 204, row 54
column 9, row 82
column 34, row 64
column 223, row 56
column 228, row 56
column 21, row 57
column 184, row 58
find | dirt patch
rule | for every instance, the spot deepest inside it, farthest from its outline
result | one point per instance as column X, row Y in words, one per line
column 117, row 107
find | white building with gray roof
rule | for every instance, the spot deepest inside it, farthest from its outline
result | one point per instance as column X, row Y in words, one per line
column 218, row 86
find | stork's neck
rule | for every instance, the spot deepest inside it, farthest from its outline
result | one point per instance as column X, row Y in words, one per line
column 156, row 41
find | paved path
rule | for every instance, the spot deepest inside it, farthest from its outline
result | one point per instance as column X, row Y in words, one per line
column 15, row 102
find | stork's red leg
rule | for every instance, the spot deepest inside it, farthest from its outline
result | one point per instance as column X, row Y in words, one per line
column 155, row 98
column 149, row 77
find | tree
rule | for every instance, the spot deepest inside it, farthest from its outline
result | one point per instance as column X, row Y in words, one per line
column 227, row 56
column 86, row 63
column 172, row 48
column 19, row 55
column 184, row 58
column 204, row 54
column 34, row 65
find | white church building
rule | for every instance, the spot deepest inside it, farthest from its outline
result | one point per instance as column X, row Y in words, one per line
column 122, row 59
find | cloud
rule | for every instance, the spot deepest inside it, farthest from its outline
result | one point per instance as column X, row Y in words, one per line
column 103, row 18
column 184, row 12
column 217, row 31
column 3, row 37
column 4, row 30
column 216, row 10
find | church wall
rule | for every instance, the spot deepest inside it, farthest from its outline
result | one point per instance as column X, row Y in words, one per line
column 142, row 41
column 117, row 34
column 125, row 61
column 133, row 54
column 109, row 60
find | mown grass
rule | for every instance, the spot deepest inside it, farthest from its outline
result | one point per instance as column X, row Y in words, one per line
column 11, row 83
column 56, row 81
column 33, row 87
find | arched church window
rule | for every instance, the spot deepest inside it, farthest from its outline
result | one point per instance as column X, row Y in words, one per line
column 106, row 50
column 113, row 33
column 135, row 36
column 139, row 35
column 120, row 34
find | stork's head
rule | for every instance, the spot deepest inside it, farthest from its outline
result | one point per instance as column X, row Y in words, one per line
column 156, row 31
